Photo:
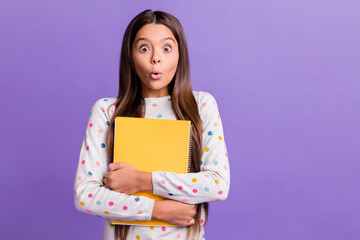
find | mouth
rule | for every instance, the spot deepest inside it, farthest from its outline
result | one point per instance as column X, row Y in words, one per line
column 155, row 74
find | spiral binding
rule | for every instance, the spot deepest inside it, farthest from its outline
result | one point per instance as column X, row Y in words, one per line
column 189, row 149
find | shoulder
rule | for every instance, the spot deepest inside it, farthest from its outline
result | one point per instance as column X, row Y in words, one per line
column 205, row 101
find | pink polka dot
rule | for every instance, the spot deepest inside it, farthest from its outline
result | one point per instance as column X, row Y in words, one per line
column 218, row 199
column 180, row 187
column 178, row 235
column 206, row 175
column 215, row 124
column 111, row 203
column 89, row 211
column 154, row 105
column 163, row 228
column 217, row 172
column 125, row 207
column 194, row 190
column 163, row 181
column 114, row 105
column 201, row 221
column 140, row 212
column 100, row 131
column 203, row 104
column 184, row 200
column 102, row 109
column 225, row 167
column 83, row 161
column 220, row 192
column 226, row 154
column 202, row 122
column 90, row 125
column 79, row 178
column 97, row 163
column 87, row 148
column 214, row 102
column 111, row 110
column 90, row 195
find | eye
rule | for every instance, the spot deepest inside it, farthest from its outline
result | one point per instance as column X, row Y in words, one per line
column 167, row 48
column 144, row 47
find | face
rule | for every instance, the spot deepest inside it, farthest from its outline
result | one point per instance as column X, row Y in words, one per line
column 155, row 54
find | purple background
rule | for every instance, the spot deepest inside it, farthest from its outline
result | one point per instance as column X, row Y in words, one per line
column 286, row 77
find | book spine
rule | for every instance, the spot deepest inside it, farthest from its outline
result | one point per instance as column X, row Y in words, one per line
column 189, row 149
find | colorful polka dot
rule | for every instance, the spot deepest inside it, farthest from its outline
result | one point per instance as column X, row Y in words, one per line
column 216, row 181
column 107, row 123
column 90, row 173
column 97, row 163
column 204, row 104
column 137, row 199
column 159, row 116
column 194, row 190
column 216, row 162
column 89, row 211
column 194, row 180
column 163, row 181
column 206, row 189
column 82, row 203
column 98, row 203
column 184, row 200
column 201, row 221
column 90, row 125
column 163, row 228
column 215, row 124
column 209, row 133
column 102, row 109
column 90, row 114
column 220, row 192
column 207, row 149
column 90, row 195
column 100, row 131
column 180, row 187
column 125, row 207
column 152, row 228
column 170, row 194
column 106, row 212
column 87, row 148
column 220, row 138
column 83, row 162
column 154, row 105
column 225, row 167
column 178, row 235
column 112, row 225
column 206, row 175
column 111, row 203
column 140, row 212
column 79, row 178
column 103, row 145
column 201, row 162
column 137, row 237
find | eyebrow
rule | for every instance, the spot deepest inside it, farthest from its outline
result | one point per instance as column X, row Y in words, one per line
column 147, row 40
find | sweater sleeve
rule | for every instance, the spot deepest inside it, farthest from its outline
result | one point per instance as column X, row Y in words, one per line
column 213, row 181
column 89, row 194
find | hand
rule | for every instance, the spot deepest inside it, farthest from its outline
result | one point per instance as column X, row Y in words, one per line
column 174, row 212
column 122, row 178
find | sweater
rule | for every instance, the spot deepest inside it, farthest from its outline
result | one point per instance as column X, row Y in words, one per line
column 210, row 184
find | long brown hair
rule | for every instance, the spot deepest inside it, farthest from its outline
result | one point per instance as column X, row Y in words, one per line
column 130, row 102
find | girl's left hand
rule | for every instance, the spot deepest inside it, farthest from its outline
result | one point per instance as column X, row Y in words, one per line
column 122, row 178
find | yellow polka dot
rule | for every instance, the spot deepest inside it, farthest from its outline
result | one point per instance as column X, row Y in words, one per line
column 106, row 212
column 151, row 228
column 82, row 203
column 137, row 237
column 216, row 181
column 81, row 147
column 220, row 138
column 218, row 116
column 207, row 149
column 112, row 225
column 194, row 180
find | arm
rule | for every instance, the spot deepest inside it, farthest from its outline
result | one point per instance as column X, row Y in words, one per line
column 89, row 194
column 213, row 180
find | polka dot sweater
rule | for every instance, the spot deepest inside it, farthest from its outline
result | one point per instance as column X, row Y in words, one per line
column 210, row 184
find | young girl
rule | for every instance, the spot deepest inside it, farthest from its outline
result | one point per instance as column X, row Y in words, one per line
column 154, row 83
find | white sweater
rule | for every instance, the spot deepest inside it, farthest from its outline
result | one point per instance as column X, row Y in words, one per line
column 210, row 184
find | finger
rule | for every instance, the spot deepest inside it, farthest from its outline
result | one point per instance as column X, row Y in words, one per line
column 192, row 221
column 116, row 166
column 106, row 175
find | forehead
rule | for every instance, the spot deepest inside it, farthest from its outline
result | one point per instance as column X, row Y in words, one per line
column 154, row 32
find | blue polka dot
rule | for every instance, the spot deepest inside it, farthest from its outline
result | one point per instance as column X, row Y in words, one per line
column 159, row 116
column 90, row 173
column 170, row 194
column 107, row 123
column 137, row 199
column 82, row 191
column 90, row 113
column 209, row 133
column 165, row 172
column 86, row 136
column 98, row 203
column 216, row 162
column 169, row 99
column 105, row 99
column 103, row 145
column 201, row 162
column 206, row 189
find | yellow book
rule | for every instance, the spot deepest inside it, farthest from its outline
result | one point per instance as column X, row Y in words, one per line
column 152, row 145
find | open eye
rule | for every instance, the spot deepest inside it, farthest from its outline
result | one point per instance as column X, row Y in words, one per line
column 167, row 48
column 143, row 48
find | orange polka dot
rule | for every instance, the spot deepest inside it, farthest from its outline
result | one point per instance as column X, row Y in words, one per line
column 152, row 228
column 106, row 212
column 112, row 225
column 220, row 138
column 218, row 116
column 216, row 181
column 207, row 149
column 194, row 180
column 137, row 237
column 82, row 203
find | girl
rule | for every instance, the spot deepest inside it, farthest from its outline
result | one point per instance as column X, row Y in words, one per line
column 154, row 83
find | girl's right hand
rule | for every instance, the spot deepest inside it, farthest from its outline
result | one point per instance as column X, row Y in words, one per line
column 174, row 212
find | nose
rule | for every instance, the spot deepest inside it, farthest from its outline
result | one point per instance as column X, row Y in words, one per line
column 155, row 60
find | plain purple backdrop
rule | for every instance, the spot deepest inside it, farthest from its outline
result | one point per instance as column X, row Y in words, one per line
column 286, row 78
